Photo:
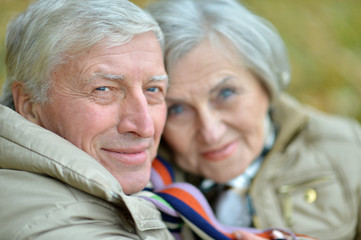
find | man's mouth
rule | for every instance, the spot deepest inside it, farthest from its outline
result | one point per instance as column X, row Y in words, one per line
column 128, row 156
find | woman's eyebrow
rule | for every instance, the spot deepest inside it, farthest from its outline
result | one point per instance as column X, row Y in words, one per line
column 222, row 82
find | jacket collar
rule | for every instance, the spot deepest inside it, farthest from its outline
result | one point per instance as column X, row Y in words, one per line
column 28, row 147
column 290, row 117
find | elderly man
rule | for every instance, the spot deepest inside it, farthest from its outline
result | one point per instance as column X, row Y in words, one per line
column 87, row 82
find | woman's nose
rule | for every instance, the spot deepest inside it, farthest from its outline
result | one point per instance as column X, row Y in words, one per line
column 211, row 126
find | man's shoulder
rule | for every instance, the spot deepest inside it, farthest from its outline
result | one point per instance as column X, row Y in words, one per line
column 33, row 203
column 31, row 188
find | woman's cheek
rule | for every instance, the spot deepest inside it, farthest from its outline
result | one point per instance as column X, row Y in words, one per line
column 176, row 142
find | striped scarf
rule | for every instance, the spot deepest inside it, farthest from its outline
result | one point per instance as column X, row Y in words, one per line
column 182, row 204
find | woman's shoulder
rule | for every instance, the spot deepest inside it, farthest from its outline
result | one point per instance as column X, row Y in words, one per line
column 318, row 138
column 318, row 125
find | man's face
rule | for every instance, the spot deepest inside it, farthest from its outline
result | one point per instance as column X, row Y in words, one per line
column 110, row 103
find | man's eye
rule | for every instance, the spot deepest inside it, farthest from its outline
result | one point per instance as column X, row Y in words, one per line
column 153, row 89
column 175, row 109
column 104, row 89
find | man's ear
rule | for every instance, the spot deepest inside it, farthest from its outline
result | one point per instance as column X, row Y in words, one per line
column 23, row 103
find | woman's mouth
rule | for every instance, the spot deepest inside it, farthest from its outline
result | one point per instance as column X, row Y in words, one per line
column 220, row 153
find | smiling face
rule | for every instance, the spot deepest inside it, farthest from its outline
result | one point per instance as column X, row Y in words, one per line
column 110, row 102
column 216, row 114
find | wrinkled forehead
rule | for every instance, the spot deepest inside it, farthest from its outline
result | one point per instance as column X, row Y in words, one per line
column 203, row 63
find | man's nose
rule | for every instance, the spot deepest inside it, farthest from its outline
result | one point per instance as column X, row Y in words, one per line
column 135, row 116
column 211, row 126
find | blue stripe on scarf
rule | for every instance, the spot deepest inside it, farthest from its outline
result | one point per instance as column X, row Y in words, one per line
column 197, row 219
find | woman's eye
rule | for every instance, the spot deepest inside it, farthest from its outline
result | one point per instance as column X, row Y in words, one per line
column 104, row 89
column 226, row 93
column 175, row 109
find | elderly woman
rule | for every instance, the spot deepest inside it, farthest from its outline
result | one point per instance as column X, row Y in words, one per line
column 262, row 158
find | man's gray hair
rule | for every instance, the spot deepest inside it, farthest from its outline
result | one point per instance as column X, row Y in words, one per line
column 227, row 24
column 49, row 31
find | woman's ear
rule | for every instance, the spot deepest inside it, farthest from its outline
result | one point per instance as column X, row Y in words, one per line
column 23, row 103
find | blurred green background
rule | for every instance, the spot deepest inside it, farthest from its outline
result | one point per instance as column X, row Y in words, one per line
column 323, row 39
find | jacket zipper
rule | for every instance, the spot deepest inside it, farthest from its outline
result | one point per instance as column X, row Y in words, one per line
column 286, row 196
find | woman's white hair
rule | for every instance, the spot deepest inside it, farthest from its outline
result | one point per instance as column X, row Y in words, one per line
column 49, row 31
column 225, row 23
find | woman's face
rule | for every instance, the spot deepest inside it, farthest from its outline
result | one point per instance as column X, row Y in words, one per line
column 216, row 114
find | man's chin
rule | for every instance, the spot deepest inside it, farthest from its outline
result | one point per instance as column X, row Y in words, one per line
column 134, row 182
column 129, row 190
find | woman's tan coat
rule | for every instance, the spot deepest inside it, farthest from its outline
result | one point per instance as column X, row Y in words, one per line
column 310, row 182
column 50, row 189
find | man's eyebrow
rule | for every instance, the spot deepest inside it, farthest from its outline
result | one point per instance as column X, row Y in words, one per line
column 105, row 76
column 109, row 76
column 160, row 78
column 121, row 77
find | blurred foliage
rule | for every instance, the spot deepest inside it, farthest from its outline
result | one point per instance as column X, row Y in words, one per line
column 323, row 39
